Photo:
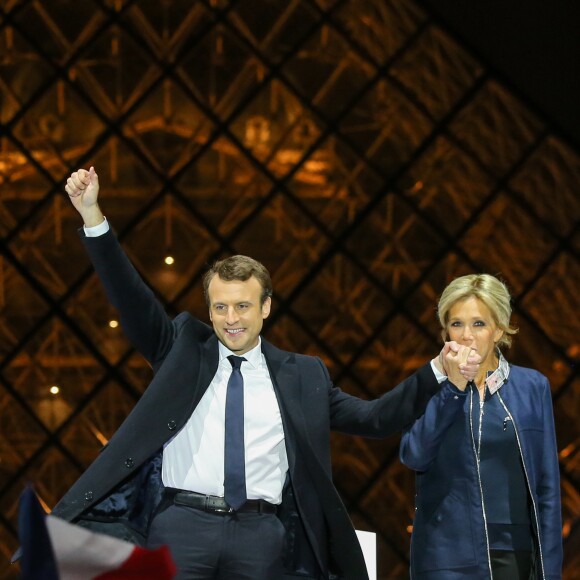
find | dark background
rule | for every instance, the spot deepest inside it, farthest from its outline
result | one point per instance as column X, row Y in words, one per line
column 366, row 151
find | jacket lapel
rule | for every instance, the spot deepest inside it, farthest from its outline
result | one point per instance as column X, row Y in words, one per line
column 287, row 387
column 207, row 366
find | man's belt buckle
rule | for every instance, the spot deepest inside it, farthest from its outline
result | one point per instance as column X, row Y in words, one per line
column 215, row 507
column 224, row 510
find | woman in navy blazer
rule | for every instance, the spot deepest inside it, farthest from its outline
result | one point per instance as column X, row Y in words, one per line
column 487, row 481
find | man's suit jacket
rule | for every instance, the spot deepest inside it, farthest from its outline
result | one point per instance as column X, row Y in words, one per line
column 120, row 490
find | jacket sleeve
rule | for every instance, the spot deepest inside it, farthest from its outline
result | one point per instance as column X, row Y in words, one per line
column 387, row 415
column 420, row 443
column 548, row 489
column 142, row 316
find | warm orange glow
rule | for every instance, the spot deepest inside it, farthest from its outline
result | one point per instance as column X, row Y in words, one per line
column 566, row 451
column 99, row 435
column 43, row 504
column 566, row 529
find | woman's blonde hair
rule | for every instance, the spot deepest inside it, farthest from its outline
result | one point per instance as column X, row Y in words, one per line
column 491, row 291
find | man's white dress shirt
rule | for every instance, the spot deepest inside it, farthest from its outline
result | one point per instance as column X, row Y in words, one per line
column 193, row 459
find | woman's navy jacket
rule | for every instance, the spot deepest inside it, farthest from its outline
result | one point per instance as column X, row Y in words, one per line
column 449, row 540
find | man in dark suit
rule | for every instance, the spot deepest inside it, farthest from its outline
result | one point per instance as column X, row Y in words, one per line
column 233, row 496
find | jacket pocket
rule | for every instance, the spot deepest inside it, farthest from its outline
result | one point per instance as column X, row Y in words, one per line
column 444, row 539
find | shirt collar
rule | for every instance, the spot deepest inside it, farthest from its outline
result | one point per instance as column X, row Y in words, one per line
column 254, row 356
column 497, row 378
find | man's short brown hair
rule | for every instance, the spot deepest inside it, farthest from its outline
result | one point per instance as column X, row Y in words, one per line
column 239, row 268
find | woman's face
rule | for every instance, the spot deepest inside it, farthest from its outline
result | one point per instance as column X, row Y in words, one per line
column 471, row 323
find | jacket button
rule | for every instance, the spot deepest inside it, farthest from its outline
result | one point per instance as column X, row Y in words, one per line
column 88, row 496
column 172, row 425
column 129, row 462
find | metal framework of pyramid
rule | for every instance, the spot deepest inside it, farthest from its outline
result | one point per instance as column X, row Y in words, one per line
column 352, row 146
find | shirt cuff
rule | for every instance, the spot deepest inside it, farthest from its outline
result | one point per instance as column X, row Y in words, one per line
column 439, row 376
column 97, row 231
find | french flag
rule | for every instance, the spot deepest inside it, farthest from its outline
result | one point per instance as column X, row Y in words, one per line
column 53, row 549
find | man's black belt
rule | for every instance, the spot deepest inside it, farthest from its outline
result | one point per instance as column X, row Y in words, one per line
column 215, row 504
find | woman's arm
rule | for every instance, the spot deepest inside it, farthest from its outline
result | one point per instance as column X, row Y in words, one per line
column 548, row 489
column 420, row 443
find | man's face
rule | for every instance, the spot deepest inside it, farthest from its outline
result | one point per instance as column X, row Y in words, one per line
column 236, row 313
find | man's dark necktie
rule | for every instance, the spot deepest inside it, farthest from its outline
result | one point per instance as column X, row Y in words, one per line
column 234, row 459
